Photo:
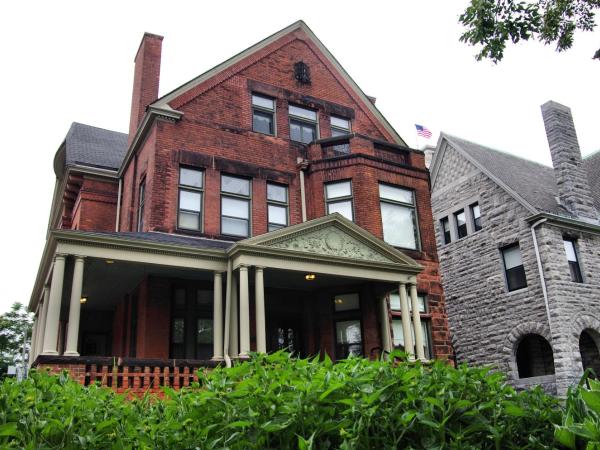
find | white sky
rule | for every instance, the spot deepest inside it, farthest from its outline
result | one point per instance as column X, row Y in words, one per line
column 73, row 61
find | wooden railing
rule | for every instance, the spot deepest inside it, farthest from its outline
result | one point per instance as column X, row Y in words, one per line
column 127, row 374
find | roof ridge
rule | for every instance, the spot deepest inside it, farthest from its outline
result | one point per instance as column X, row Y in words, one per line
column 98, row 128
column 502, row 152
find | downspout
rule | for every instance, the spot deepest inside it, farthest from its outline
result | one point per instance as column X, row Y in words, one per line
column 119, row 204
column 541, row 270
column 227, row 316
column 302, row 166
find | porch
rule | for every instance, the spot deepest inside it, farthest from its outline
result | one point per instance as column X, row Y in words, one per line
column 135, row 311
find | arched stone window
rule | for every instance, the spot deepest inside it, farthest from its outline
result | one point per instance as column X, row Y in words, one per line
column 534, row 357
column 588, row 347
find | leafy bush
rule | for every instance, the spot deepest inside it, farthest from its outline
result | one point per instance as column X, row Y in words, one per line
column 281, row 402
column 581, row 422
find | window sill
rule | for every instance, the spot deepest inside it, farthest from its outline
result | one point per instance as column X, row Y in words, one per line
column 462, row 238
column 517, row 291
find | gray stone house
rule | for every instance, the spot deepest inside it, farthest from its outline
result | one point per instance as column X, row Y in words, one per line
column 519, row 248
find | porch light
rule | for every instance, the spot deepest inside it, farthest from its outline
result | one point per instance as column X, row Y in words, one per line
column 310, row 276
column 83, row 300
column 109, row 261
column 339, row 301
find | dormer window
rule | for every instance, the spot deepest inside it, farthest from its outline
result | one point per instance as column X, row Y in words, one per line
column 303, row 124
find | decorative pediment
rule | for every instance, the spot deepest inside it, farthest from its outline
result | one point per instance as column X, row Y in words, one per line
column 331, row 241
column 331, row 236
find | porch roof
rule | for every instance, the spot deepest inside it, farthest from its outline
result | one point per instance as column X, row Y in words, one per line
column 330, row 245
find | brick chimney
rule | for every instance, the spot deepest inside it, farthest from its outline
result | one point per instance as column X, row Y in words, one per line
column 571, row 177
column 145, row 79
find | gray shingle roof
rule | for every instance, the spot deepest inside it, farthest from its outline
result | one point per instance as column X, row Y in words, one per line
column 165, row 238
column 592, row 166
column 534, row 182
column 95, row 147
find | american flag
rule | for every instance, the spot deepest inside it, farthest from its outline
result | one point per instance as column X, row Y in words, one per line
column 423, row 131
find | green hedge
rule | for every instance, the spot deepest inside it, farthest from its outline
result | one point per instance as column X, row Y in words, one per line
column 279, row 402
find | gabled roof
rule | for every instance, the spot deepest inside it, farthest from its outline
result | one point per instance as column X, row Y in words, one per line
column 222, row 69
column 90, row 146
column 530, row 183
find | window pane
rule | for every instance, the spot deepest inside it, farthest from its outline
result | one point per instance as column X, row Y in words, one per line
column 337, row 132
column 234, row 227
column 344, row 208
column 178, row 331
column 348, row 332
column 190, row 201
column 309, row 134
column 205, row 331
column 265, row 102
column 399, row 225
column 274, row 226
column 396, row 194
column 295, row 132
column 515, row 278
column 276, row 193
column 262, row 122
column 302, row 112
column 446, row 230
column 180, row 298
column 189, row 220
column 512, row 257
column 235, row 185
column 346, row 302
column 234, row 207
column 395, row 302
column 340, row 123
column 336, row 190
column 278, row 214
column 461, row 223
column 398, row 332
column 190, row 177
column 570, row 250
column 476, row 211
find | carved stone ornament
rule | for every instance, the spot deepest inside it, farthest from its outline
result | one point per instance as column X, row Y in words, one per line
column 331, row 241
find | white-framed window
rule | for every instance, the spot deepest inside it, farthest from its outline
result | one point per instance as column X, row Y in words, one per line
column 445, row 227
column 514, row 271
column 398, row 330
column 191, row 190
column 461, row 223
column 476, row 215
column 303, row 124
column 338, row 197
column 399, row 216
column 235, row 206
column 263, row 114
column 573, row 260
column 277, row 206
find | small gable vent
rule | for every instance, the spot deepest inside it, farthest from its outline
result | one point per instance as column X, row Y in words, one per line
column 302, row 72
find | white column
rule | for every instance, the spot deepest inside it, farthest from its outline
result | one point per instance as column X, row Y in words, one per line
column 417, row 322
column 234, row 330
column 33, row 342
column 75, row 308
column 386, row 339
column 39, row 347
column 244, row 313
column 261, row 332
column 408, row 342
column 218, row 317
column 53, row 315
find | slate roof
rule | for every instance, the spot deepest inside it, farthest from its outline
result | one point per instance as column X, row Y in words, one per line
column 165, row 238
column 95, row 147
column 534, row 182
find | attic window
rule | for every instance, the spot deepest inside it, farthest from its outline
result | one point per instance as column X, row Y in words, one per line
column 302, row 72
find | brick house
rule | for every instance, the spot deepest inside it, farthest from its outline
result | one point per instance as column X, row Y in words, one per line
column 265, row 204
column 519, row 248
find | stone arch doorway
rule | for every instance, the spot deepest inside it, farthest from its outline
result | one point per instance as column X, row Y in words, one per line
column 588, row 348
column 534, row 356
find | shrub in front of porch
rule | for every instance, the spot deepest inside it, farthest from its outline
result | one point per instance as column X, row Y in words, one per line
column 279, row 402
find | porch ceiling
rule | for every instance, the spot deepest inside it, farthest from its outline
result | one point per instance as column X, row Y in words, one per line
column 105, row 284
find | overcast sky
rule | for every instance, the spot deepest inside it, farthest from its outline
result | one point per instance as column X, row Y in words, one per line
column 73, row 61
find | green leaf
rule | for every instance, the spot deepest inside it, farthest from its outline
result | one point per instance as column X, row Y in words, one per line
column 9, row 429
column 591, row 399
column 565, row 437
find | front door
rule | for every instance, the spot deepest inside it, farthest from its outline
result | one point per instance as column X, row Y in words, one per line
column 191, row 323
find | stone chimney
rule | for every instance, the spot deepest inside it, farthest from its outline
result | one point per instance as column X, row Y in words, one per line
column 571, row 178
column 145, row 79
